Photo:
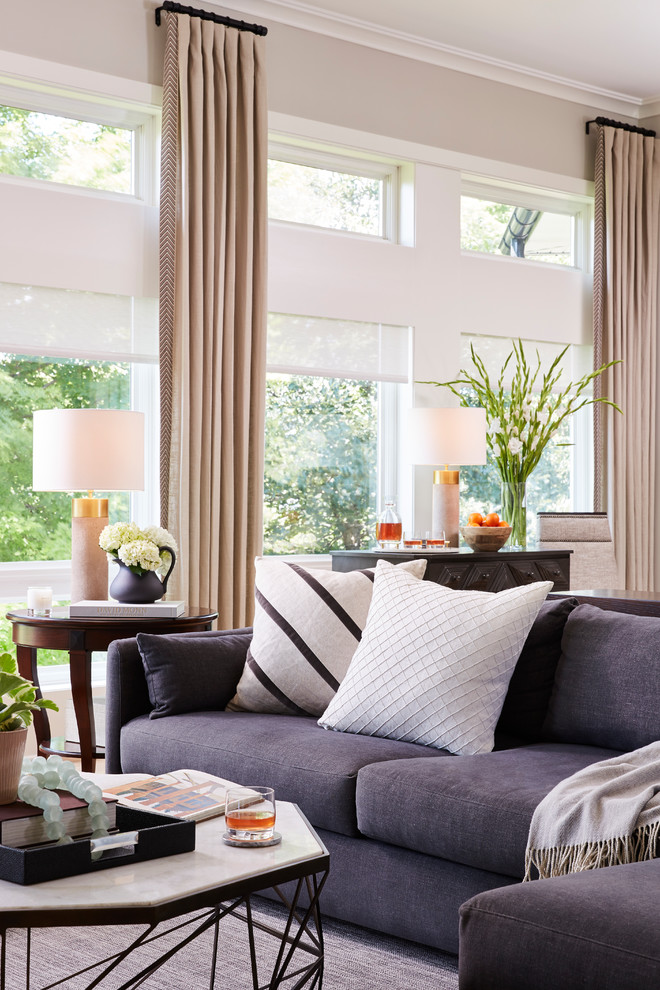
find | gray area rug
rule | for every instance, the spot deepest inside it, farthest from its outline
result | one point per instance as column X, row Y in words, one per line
column 355, row 958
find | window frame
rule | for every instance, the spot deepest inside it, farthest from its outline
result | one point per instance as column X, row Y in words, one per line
column 388, row 172
column 578, row 207
column 142, row 120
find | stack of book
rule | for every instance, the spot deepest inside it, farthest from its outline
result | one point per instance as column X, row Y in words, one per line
column 23, row 825
column 120, row 610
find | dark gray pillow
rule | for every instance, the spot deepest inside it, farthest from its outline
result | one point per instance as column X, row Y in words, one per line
column 607, row 685
column 187, row 673
column 530, row 687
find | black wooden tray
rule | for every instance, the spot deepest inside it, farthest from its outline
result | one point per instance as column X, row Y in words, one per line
column 158, row 835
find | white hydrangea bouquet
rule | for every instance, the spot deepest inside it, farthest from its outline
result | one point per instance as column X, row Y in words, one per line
column 138, row 549
column 522, row 417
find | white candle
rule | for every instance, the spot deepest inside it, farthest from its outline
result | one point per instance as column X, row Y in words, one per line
column 39, row 601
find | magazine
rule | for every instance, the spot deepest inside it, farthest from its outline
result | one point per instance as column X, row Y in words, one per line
column 189, row 794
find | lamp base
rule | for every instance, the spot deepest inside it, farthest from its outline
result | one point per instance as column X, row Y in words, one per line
column 89, row 563
column 445, row 510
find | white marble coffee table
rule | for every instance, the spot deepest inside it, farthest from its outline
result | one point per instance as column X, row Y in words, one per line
column 203, row 881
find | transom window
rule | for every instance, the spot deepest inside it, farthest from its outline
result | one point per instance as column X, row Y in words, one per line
column 324, row 190
column 75, row 152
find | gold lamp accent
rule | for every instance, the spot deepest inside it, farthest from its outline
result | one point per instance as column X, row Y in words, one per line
column 88, row 450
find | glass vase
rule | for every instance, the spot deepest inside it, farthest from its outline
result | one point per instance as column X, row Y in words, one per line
column 514, row 511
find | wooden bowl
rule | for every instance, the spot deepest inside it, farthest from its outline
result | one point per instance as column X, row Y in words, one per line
column 490, row 538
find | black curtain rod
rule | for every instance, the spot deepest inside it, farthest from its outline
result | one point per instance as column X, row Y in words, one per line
column 206, row 15
column 623, row 127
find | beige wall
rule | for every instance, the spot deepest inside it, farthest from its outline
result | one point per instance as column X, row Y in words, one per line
column 332, row 81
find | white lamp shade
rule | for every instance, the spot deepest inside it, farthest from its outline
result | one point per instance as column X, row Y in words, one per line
column 447, row 436
column 88, row 450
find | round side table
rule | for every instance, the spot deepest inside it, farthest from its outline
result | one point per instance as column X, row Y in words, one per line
column 80, row 637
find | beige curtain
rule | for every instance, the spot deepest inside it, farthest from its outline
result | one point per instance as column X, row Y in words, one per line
column 625, row 329
column 213, row 310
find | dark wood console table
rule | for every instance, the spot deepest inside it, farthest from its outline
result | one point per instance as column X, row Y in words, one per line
column 80, row 637
column 466, row 570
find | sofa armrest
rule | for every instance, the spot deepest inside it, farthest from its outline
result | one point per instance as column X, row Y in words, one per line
column 127, row 692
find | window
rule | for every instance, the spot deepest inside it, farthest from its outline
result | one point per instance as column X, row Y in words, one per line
column 324, row 190
column 499, row 228
column 563, row 478
column 62, row 149
column 534, row 224
column 331, row 385
column 62, row 349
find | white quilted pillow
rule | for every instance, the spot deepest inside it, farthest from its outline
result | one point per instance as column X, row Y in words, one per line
column 433, row 664
column 307, row 625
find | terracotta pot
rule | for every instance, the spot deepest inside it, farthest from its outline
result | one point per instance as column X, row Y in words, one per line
column 12, row 747
column 139, row 589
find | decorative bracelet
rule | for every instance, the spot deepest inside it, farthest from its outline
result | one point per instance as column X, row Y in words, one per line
column 42, row 776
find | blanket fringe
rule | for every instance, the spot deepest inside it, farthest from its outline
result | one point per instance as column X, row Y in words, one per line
column 560, row 860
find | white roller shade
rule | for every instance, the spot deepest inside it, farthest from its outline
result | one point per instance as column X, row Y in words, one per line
column 305, row 345
column 66, row 323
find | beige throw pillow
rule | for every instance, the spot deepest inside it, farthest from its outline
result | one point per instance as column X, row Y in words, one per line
column 433, row 664
column 307, row 626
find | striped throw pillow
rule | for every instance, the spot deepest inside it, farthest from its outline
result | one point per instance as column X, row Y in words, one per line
column 307, row 626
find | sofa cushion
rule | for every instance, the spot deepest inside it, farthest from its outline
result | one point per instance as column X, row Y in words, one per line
column 188, row 673
column 586, row 931
column 307, row 625
column 474, row 810
column 528, row 695
column 315, row 769
column 434, row 664
column 607, row 681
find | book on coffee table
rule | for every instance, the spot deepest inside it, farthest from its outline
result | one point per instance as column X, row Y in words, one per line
column 23, row 824
column 188, row 794
column 119, row 610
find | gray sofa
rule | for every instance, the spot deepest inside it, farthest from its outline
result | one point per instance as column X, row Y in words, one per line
column 413, row 832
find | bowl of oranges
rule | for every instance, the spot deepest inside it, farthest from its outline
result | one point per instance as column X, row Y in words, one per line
column 486, row 532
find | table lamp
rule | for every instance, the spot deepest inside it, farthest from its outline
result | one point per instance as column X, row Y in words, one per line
column 454, row 436
column 88, row 450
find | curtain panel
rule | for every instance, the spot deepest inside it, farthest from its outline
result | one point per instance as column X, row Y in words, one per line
column 213, row 230
column 627, row 209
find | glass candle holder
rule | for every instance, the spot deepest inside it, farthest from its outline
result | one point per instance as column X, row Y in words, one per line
column 39, row 601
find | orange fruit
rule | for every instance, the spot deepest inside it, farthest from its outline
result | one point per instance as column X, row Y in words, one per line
column 502, row 523
column 492, row 519
column 475, row 519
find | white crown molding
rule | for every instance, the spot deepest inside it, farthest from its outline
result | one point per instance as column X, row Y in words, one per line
column 650, row 107
column 359, row 32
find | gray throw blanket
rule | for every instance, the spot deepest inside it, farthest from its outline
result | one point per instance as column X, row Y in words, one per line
column 606, row 814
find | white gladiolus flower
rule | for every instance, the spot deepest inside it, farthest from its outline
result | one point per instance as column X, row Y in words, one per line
column 496, row 449
column 515, row 445
column 542, row 416
column 495, row 426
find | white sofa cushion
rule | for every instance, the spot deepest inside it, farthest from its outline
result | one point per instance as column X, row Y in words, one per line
column 434, row 664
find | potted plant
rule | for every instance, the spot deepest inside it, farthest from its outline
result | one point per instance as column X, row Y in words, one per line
column 17, row 702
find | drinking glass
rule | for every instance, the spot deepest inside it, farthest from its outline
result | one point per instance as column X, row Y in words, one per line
column 250, row 813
